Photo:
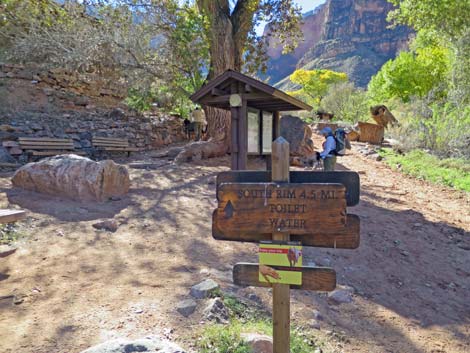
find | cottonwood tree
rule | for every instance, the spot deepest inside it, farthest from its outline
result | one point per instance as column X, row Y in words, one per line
column 234, row 44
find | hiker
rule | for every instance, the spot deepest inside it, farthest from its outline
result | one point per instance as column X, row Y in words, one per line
column 198, row 117
column 329, row 150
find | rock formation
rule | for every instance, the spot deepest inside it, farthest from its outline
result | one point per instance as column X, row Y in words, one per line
column 74, row 177
column 299, row 136
column 383, row 116
column 343, row 35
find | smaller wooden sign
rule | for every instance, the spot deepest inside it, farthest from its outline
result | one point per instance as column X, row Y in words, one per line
column 277, row 207
column 348, row 238
column 313, row 278
column 280, row 263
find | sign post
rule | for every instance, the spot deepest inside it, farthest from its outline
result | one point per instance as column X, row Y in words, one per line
column 270, row 209
column 281, row 292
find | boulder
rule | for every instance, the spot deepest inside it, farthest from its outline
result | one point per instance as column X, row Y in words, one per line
column 341, row 295
column 204, row 289
column 110, row 225
column 186, row 307
column 382, row 116
column 258, row 343
column 74, row 177
column 299, row 135
column 5, row 157
column 216, row 311
column 147, row 344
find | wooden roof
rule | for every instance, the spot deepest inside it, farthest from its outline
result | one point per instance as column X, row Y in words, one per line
column 258, row 94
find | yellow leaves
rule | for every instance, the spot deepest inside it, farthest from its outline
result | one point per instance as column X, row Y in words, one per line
column 315, row 83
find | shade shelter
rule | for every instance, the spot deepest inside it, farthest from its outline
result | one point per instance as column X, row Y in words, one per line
column 254, row 107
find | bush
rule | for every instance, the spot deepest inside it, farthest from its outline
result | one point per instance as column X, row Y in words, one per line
column 346, row 102
column 442, row 129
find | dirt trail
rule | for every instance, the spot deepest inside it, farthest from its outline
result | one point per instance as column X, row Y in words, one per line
column 81, row 286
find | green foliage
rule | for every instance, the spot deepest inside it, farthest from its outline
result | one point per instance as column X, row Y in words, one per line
column 411, row 74
column 227, row 339
column 417, row 163
column 346, row 102
column 444, row 23
column 449, row 17
column 442, row 129
column 9, row 233
column 315, row 83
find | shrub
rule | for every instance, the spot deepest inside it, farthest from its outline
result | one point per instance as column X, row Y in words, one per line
column 346, row 102
column 442, row 129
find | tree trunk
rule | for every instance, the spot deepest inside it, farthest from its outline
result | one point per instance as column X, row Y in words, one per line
column 227, row 34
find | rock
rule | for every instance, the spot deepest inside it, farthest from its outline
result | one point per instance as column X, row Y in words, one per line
column 216, row 311
column 110, row 225
column 6, row 250
column 382, row 116
column 254, row 297
column 186, row 307
column 147, row 344
column 315, row 324
column 201, row 150
column 10, row 144
column 74, row 177
column 15, row 151
column 117, row 114
column 341, row 296
column 85, row 143
column 258, row 343
column 317, row 315
column 299, row 135
column 204, row 289
column 5, row 157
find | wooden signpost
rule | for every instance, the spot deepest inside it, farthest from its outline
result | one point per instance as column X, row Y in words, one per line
column 255, row 207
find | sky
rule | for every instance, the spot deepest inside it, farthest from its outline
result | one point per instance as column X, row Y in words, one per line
column 307, row 5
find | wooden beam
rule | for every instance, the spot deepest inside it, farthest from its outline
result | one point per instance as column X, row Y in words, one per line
column 313, row 278
column 218, row 92
column 9, row 216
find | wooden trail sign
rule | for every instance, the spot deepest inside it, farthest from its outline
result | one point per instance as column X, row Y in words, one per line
column 310, row 209
column 346, row 238
column 349, row 179
column 274, row 207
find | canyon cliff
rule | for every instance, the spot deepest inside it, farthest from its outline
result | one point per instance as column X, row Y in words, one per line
column 351, row 36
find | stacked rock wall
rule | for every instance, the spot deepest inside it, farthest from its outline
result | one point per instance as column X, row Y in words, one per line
column 57, row 104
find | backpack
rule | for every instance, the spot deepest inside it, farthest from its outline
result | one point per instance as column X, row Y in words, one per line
column 342, row 142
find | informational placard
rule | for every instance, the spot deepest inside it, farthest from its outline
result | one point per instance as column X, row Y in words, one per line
column 279, row 263
column 271, row 207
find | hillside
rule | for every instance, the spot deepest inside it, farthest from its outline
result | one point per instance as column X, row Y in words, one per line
column 350, row 36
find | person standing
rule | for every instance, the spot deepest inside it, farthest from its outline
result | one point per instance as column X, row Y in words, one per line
column 328, row 155
column 198, row 118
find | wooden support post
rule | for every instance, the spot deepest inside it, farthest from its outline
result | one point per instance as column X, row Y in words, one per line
column 234, row 144
column 242, row 136
column 276, row 125
column 281, row 292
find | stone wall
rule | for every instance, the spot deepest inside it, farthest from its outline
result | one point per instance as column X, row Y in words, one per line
column 57, row 104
